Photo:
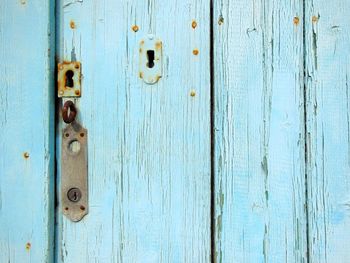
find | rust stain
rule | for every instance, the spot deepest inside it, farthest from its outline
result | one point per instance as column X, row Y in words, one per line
column 221, row 20
column 194, row 24
column 193, row 93
column 72, row 24
column 68, row 79
column 26, row 155
column 135, row 28
column 158, row 78
column 195, row 52
column 158, row 45
column 296, row 20
column 141, row 75
column 315, row 19
column 28, row 246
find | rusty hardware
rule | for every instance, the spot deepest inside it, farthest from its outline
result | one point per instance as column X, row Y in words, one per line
column 74, row 168
column 150, row 62
column 68, row 79
column 69, row 106
column 74, row 185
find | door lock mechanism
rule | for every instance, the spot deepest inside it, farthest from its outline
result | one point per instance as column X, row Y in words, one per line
column 74, row 166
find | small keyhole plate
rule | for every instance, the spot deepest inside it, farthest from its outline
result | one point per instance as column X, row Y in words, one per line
column 68, row 79
column 150, row 62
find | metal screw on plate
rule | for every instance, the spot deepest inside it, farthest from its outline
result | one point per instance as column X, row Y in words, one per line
column 74, row 195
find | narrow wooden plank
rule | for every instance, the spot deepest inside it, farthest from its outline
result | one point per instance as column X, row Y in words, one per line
column 327, row 78
column 148, row 145
column 259, row 132
column 26, row 131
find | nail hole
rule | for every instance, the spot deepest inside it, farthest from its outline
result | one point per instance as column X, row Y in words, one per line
column 150, row 58
column 82, row 208
column 69, row 79
column 66, row 208
column 67, row 135
column 82, row 134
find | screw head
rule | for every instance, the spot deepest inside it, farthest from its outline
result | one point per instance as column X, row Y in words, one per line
column 74, row 195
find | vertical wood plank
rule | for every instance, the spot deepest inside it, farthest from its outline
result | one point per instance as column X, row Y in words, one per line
column 148, row 145
column 26, row 131
column 328, row 144
column 259, row 132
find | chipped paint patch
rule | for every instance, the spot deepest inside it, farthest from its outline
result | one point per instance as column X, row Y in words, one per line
column 221, row 20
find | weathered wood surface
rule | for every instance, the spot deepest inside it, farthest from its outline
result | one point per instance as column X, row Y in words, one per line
column 26, row 131
column 148, row 145
column 259, row 132
column 327, row 60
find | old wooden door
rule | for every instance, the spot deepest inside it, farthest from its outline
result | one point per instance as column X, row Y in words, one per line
column 238, row 153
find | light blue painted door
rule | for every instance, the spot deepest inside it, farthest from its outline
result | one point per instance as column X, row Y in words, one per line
column 26, row 131
column 148, row 145
column 239, row 153
column 259, row 132
column 327, row 70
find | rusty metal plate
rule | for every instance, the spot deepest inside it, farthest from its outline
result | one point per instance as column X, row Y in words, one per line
column 150, row 63
column 74, row 168
column 68, row 79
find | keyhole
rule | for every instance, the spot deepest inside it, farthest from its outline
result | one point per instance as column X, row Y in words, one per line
column 150, row 58
column 69, row 79
column 74, row 195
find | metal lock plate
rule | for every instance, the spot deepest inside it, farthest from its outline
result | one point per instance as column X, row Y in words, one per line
column 74, row 186
column 68, row 79
column 150, row 65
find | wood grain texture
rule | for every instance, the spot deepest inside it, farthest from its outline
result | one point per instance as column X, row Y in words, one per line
column 26, row 131
column 327, row 78
column 259, row 132
column 148, row 145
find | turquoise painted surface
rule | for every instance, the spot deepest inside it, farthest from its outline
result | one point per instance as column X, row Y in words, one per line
column 281, row 152
column 149, row 145
column 259, row 132
column 327, row 70
column 26, row 131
